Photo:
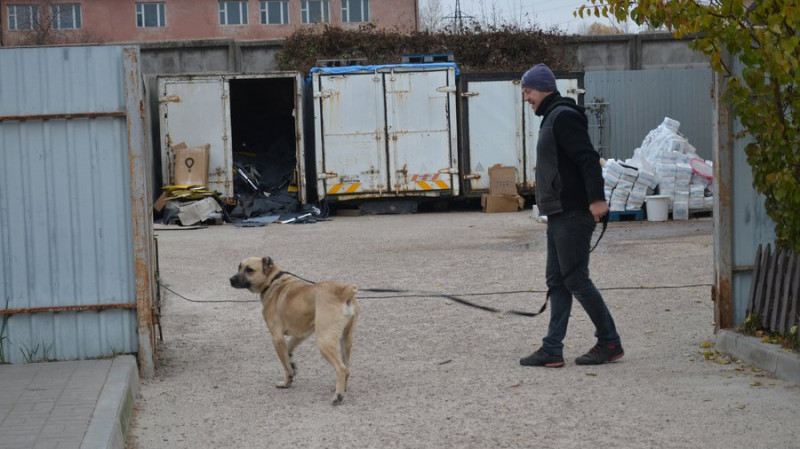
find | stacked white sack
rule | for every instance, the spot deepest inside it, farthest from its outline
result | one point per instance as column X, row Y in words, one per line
column 625, row 186
column 669, row 155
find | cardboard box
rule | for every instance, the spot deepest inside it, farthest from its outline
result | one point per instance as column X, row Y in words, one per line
column 502, row 180
column 158, row 206
column 501, row 203
column 191, row 165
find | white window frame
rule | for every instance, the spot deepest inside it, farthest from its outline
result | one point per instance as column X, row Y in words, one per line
column 326, row 11
column 224, row 10
column 141, row 14
column 14, row 22
column 349, row 5
column 282, row 20
column 59, row 10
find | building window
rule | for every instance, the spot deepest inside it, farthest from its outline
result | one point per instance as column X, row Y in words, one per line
column 65, row 16
column 275, row 12
column 355, row 10
column 23, row 17
column 318, row 11
column 233, row 13
column 151, row 15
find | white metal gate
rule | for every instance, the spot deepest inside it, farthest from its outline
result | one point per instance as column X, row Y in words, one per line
column 386, row 131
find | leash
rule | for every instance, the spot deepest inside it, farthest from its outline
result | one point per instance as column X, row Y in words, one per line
column 463, row 301
column 453, row 298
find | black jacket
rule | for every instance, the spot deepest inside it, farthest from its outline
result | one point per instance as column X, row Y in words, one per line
column 568, row 173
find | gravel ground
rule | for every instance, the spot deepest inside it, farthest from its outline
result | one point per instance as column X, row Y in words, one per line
column 427, row 372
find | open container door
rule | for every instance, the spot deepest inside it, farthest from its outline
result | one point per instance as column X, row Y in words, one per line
column 196, row 110
column 422, row 131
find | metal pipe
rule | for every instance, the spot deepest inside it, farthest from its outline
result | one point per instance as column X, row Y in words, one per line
column 30, row 310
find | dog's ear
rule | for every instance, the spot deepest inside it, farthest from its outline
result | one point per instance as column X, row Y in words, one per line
column 266, row 263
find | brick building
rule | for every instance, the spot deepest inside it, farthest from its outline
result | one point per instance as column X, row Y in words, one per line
column 37, row 22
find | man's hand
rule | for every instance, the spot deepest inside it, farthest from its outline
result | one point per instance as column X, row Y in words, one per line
column 598, row 208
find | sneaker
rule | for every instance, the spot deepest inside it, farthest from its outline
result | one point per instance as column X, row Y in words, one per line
column 542, row 358
column 600, row 354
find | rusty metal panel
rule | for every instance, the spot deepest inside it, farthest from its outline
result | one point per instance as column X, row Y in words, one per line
column 636, row 101
column 422, row 131
column 740, row 219
column 349, row 112
column 386, row 131
column 66, row 235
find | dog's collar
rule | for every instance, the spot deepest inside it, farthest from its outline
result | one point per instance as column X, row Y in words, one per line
column 271, row 281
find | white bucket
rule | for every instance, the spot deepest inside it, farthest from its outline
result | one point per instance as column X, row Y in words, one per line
column 657, row 207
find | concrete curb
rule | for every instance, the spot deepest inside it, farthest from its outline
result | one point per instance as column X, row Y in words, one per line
column 768, row 357
column 109, row 423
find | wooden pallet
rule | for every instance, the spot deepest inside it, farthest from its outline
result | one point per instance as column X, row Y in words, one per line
column 626, row 215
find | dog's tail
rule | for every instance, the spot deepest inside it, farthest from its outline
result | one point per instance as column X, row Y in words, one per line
column 349, row 295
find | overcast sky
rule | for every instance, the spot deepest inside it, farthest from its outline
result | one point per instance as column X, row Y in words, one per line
column 545, row 13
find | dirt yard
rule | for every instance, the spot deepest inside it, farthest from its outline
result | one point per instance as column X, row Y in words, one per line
column 428, row 372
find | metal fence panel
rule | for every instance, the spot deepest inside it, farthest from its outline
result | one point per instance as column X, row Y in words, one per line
column 633, row 102
column 66, row 272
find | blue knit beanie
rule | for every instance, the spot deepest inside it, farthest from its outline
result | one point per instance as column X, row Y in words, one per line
column 539, row 77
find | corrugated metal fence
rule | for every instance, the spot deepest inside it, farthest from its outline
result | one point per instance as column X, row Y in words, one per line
column 624, row 105
column 68, row 268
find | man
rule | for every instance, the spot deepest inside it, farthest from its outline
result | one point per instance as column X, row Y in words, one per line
column 569, row 191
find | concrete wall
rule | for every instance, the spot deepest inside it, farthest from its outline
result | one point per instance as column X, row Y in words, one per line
column 652, row 51
column 595, row 53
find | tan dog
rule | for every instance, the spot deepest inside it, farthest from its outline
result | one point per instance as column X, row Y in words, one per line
column 294, row 308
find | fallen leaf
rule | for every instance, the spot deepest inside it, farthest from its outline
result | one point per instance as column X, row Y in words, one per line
column 592, row 374
column 705, row 344
column 755, row 384
column 518, row 384
column 741, row 406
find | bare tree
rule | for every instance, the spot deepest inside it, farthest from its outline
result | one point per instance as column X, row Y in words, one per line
column 48, row 24
column 431, row 15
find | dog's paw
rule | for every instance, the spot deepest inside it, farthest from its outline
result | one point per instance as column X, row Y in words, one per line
column 337, row 399
column 284, row 384
column 294, row 369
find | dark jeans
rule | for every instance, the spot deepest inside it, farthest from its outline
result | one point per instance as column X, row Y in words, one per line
column 569, row 236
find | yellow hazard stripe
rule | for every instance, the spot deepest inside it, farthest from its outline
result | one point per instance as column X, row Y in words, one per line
column 338, row 187
column 437, row 185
